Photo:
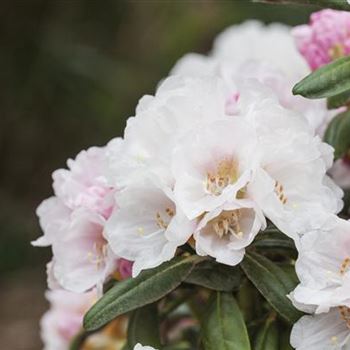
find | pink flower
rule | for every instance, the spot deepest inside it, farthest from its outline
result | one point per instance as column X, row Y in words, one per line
column 326, row 38
column 73, row 222
column 63, row 321
column 84, row 184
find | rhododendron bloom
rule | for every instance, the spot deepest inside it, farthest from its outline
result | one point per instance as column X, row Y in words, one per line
column 212, row 165
column 199, row 160
column 73, row 223
column 180, row 105
column 83, row 259
column 147, row 228
column 84, row 184
column 226, row 231
column 220, row 151
column 323, row 266
column 326, row 38
column 64, row 320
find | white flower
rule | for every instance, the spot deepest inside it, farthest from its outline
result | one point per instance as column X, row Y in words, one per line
column 323, row 266
column 212, row 164
column 146, row 228
column 206, row 157
column 291, row 186
column 82, row 257
column 266, row 53
column 180, row 105
column 142, row 347
column 226, row 231
column 329, row 331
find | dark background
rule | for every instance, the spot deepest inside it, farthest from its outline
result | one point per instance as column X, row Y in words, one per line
column 71, row 73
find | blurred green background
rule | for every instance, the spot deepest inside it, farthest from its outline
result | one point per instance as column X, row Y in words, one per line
column 72, row 72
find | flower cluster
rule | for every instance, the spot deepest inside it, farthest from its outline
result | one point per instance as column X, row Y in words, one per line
column 220, row 150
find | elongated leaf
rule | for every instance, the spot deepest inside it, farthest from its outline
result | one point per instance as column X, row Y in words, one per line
column 338, row 134
column 272, row 282
column 143, row 327
column 267, row 338
column 223, row 325
column 330, row 80
column 335, row 4
column 289, row 269
column 339, row 100
column 273, row 238
column 215, row 276
column 133, row 293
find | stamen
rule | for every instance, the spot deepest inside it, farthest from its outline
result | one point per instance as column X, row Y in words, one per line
column 345, row 266
column 226, row 174
column 98, row 254
column 163, row 223
column 228, row 224
column 279, row 190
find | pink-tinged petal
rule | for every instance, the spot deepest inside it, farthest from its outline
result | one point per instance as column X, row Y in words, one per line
column 325, row 38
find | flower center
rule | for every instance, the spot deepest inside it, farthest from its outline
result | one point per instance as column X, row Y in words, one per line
column 226, row 174
column 336, row 51
column 162, row 221
column 279, row 190
column 228, row 224
column 98, row 254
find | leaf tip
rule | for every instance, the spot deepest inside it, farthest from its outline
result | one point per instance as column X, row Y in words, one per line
column 297, row 89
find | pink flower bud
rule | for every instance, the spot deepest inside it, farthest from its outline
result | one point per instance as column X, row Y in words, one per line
column 325, row 38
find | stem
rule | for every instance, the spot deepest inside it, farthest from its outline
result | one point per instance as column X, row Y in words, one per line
column 335, row 4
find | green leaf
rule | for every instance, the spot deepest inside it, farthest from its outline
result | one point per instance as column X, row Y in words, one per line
column 335, row 4
column 330, row 80
column 289, row 269
column 215, row 276
column 338, row 134
column 267, row 337
column 143, row 327
column 223, row 326
column 272, row 238
column 133, row 293
column 339, row 100
column 273, row 283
